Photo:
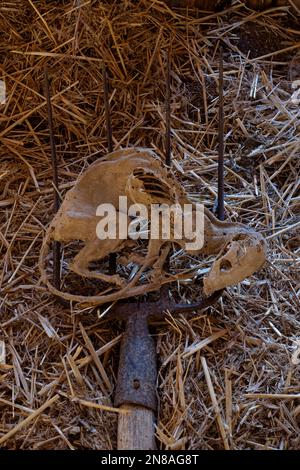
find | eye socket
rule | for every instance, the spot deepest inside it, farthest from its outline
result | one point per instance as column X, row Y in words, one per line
column 240, row 237
column 225, row 266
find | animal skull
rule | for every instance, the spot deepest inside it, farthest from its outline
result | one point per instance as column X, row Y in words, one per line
column 141, row 176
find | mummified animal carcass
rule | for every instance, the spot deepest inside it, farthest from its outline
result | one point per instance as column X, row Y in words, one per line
column 141, row 176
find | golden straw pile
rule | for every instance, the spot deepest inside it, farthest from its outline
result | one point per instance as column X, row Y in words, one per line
column 229, row 376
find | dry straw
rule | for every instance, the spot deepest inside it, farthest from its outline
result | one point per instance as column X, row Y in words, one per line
column 228, row 377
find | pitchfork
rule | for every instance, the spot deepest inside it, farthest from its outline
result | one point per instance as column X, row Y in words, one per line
column 137, row 372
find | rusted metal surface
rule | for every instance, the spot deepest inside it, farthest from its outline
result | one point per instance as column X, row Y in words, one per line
column 220, row 207
column 107, row 111
column 168, row 110
column 112, row 256
column 56, row 246
column 137, row 371
column 158, row 310
column 137, row 374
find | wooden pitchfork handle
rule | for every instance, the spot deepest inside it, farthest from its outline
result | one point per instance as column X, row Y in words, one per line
column 136, row 386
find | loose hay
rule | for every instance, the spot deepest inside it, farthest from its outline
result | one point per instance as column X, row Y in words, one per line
column 228, row 377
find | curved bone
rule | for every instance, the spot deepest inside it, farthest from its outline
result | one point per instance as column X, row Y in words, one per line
column 140, row 175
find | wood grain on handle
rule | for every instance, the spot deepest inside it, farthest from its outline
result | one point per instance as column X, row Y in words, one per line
column 136, row 429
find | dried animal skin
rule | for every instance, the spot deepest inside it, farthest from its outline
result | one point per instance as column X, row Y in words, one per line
column 141, row 176
column 236, row 262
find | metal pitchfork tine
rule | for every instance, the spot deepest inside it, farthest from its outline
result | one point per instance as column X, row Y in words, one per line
column 220, row 203
column 56, row 200
column 137, row 371
column 113, row 256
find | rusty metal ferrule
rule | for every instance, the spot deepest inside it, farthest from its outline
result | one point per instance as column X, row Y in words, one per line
column 137, row 373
